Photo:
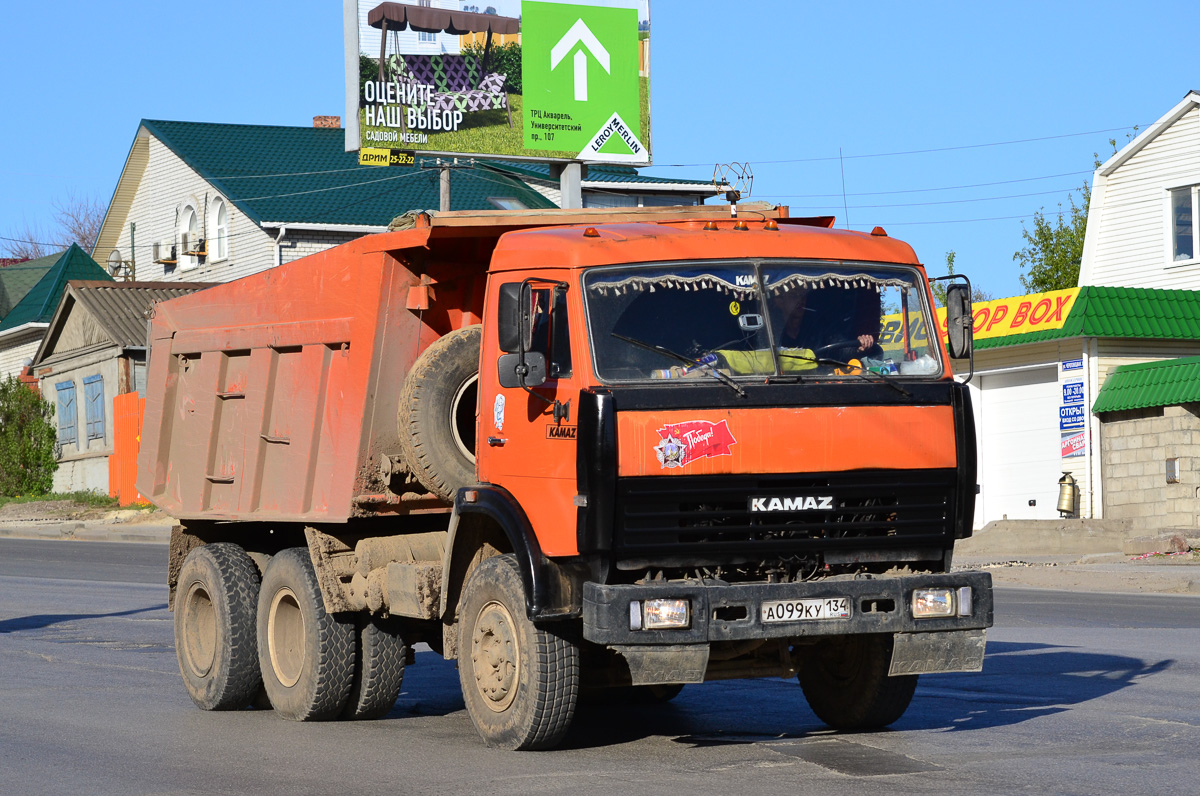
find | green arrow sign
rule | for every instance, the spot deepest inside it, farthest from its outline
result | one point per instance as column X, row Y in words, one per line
column 582, row 90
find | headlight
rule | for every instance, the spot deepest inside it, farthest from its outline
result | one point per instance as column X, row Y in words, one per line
column 665, row 614
column 932, row 602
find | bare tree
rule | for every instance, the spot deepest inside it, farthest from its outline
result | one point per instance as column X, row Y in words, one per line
column 26, row 242
column 78, row 220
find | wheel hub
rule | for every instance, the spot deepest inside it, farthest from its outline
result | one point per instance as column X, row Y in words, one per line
column 495, row 657
column 200, row 630
column 285, row 637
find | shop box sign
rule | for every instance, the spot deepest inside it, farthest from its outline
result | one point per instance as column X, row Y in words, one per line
column 1074, row 444
column 1072, row 393
column 1071, row 417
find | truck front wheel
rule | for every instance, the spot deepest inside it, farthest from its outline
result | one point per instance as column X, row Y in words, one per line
column 845, row 680
column 305, row 654
column 214, row 627
column 520, row 681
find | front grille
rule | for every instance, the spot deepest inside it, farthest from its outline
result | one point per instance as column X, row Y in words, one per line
column 702, row 515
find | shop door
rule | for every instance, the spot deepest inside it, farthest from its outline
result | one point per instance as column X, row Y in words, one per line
column 1020, row 447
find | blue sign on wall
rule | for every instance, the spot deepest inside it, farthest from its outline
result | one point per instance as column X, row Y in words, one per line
column 1072, row 393
column 1071, row 417
column 1072, row 364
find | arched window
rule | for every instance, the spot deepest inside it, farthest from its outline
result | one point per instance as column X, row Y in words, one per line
column 218, row 231
column 189, row 237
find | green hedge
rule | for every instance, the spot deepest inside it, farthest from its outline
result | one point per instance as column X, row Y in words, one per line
column 27, row 438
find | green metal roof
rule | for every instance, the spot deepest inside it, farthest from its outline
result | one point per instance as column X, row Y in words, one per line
column 1166, row 383
column 1120, row 312
column 40, row 301
column 18, row 279
column 305, row 175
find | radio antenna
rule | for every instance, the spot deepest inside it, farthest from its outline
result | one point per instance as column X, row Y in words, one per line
column 845, row 207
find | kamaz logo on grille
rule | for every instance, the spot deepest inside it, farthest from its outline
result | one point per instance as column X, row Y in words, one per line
column 807, row 503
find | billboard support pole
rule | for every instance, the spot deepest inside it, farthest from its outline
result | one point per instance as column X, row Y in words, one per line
column 570, row 184
column 350, row 22
column 444, row 186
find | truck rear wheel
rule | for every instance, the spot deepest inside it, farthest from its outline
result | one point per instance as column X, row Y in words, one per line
column 214, row 627
column 437, row 413
column 306, row 655
column 378, row 668
column 846, row 683
column 520, row 681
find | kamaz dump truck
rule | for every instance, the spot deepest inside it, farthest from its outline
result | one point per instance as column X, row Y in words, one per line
column 573, row 451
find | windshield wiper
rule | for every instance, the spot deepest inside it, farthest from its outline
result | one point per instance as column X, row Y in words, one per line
column 684, row 359
column 855, row 370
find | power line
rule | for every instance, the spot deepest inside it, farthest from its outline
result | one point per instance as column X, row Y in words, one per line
column 943, row 202
column 925, row 190
column 916, row 151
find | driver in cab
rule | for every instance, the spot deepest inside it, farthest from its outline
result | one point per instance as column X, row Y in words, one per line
column 833, row 322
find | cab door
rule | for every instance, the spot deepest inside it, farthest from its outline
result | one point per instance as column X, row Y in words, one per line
column 527, row 434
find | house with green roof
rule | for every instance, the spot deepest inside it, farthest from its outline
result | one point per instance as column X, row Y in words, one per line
column 29, row 295
column 1040, row 363
column 1150, row 445
column 216, row 202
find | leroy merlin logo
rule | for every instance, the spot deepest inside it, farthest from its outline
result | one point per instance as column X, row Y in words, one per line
column 583, row 94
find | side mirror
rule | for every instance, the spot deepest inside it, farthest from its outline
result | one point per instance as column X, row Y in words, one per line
column 959, row 320
column 513, row 373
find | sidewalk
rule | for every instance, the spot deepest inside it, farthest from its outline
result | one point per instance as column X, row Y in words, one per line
column 1108, row 572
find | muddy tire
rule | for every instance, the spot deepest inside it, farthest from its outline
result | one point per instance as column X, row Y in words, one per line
column 846, row 683
column 378, row 668
column 437, row 413
column 306, row 655
column 520, row 681
column 216, row 598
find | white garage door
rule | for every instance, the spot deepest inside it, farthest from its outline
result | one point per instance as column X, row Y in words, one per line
column 1019, row 447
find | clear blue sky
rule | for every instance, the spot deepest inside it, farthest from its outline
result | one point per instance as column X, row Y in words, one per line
column 751, row 81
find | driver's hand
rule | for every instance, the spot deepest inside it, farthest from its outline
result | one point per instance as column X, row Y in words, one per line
column 865, row 341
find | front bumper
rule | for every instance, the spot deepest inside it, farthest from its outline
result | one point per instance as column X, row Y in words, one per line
column 732, row 612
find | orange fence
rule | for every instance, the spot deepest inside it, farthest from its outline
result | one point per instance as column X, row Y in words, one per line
column 127, row 437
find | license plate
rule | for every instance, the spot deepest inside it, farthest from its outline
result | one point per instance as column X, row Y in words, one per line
column 806, row 610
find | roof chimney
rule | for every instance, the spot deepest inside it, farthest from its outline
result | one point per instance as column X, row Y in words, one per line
column 327, row 121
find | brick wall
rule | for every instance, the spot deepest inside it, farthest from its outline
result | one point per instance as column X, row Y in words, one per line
column 1135, row 445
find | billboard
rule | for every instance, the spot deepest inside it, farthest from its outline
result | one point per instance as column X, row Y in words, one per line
column 533, row 79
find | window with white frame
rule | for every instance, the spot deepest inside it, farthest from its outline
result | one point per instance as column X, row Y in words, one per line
column 189, row 238
column 1183, row 235
column 218, row 225
column 425, row 36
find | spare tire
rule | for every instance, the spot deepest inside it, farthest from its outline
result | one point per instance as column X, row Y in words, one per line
column 437, row 413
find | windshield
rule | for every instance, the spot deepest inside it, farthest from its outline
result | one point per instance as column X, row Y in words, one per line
column 748, row 319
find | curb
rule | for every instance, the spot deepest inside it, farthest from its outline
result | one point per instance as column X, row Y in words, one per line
column 81, row 531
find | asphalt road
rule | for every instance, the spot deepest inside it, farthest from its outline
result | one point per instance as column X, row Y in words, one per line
column 1081, row 693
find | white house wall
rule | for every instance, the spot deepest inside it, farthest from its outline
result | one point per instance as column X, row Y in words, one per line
column 17, row 348
column 169, row 184
column 1130, row 247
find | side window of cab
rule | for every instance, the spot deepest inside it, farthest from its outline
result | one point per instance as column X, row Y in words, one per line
column 550, row 330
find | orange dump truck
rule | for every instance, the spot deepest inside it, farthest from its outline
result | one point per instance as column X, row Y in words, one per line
column 574, row 450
